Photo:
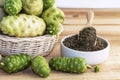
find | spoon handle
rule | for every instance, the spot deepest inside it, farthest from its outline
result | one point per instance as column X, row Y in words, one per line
column 90, row 17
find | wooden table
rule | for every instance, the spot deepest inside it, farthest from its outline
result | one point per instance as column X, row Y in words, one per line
column 107, row 25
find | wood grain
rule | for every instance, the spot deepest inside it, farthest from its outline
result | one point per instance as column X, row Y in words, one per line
column 107, row 25
column 78, row 16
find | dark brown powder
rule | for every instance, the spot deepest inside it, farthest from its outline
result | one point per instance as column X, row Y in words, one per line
column 86, row 40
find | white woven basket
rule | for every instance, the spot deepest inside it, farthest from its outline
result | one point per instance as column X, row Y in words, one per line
column 41, row 45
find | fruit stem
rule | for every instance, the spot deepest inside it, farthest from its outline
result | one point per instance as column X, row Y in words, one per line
column 89, row 66
column 95, row 68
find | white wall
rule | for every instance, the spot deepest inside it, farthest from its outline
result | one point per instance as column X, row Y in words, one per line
column 88, row 3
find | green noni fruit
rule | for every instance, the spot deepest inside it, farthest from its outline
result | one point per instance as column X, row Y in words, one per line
column 23, row 25
column 53, row 29
column 72, row 65
column 53, row 17
column 15, row 63
column 33, row 7
column 48, row 3
column 40, row 66
column 13, row 7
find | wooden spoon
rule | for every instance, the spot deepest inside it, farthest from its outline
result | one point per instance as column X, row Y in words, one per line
column 90, row 18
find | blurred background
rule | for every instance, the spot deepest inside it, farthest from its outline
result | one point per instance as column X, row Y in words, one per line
column 106, row 11
column 88, row 3
column 106, row 15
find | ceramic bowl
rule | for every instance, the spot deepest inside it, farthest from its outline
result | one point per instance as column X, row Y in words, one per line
column 92, row 57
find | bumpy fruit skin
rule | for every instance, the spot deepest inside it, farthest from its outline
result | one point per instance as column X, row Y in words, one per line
column 53, row 29
column 40, row 66
column 13, row 7
column 53, row 17
column 72, row 65
column 53, row 14
column 33, row 7
column 15, row 63
column 48, row 3
column 23, row 25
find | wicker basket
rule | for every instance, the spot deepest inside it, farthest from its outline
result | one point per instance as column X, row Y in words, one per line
column 41, row 45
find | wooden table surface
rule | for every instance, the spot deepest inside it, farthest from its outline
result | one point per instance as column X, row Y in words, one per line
column 107, row 25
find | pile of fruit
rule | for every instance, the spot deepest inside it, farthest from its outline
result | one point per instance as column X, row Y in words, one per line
column 18, row 62
column 29, row 18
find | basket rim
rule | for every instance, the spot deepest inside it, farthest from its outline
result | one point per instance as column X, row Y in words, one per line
column 30, row 39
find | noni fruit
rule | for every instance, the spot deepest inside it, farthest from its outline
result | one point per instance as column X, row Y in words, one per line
column 15, row 63
column 53, row 29
column 33, row 7
column 13, row 7
column 23, row 25
column 48, row 3
column 40, row 66
column 72, row 65
column 53, row 17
